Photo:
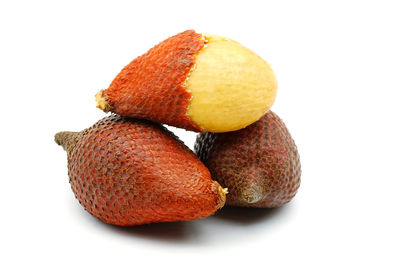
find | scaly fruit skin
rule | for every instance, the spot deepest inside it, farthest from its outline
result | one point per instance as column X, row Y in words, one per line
column 132, row 172
column 141, row 90
column 200, row 82
column 259, row 164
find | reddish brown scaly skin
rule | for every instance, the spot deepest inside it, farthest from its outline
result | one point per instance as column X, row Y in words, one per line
column 259, row 164
column 131, row 172
column 152, row 86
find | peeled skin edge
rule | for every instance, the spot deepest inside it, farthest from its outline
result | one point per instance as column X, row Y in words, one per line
column 204, row 82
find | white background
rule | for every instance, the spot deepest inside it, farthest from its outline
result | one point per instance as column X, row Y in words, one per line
column 338, row 68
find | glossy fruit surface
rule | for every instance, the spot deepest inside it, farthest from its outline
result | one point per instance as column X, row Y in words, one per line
column 259, row 164
column 131, row 171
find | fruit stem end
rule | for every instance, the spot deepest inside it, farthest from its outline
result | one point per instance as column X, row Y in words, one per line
column 222, row 195
column 66, row 139
column 101, row 100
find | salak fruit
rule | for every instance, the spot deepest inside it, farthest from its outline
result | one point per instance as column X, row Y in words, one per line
column 200, row 82
column 131, row 172
column 259, row 164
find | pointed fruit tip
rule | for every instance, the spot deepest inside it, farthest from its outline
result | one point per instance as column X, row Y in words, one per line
column 65, row 139
column 102, row 102
column 222, row 195
column 252, row 195
column 58, row 138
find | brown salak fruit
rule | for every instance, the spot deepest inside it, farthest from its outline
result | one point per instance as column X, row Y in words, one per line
column 259, row 164
column 200, row 82
column 131, row 172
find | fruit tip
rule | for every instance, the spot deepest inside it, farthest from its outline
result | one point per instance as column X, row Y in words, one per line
column 65, row 139
column 222, row 195
column 57, row 138
column 252, row 195
column 102, row 102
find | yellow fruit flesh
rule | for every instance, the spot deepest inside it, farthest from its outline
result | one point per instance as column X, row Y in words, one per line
column 231, row 86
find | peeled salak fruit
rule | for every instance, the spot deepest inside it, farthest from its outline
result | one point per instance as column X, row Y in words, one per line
column 259, row 164
column 200, row 82
column 132, row 172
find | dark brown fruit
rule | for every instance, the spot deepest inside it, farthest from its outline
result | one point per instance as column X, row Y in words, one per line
column 130, row 172
column 259, row 164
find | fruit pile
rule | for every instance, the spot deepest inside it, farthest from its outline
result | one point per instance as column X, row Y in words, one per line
column 127, row 169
